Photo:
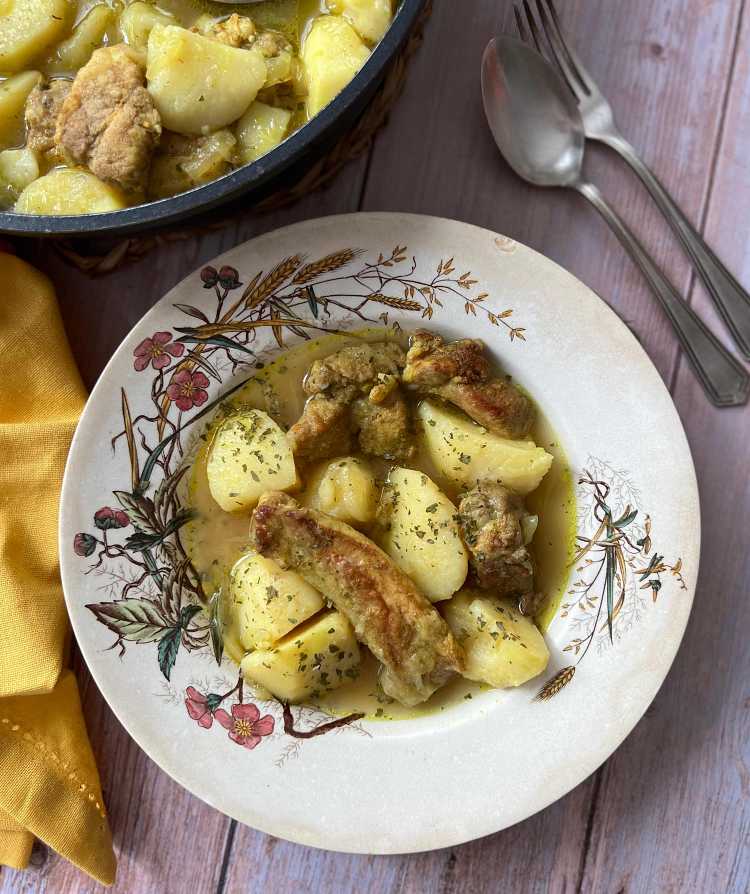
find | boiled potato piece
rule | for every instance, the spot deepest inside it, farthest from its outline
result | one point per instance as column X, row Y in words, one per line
column 503, row 648
column 465, row 453
column 371, row 18
column 211, row 158
column 268, row 602
column 198, row 84
column 260, row 129
column 184, row 162
column 69, row 191
column 87, row 35
column 318, row 657
column 421, row 533
column 279, row 68
column 249, row 455
column 28, row 28
column 13, row 95
column 344, row 488
column 137, row 20
column 332, row 54
column 18, row 168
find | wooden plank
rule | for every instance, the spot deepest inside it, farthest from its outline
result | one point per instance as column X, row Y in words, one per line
column 663, row 66
column 673, row 813
column 165, row 838
column 539, row 856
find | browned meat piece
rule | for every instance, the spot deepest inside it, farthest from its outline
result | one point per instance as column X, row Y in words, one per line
column 498, row 406
column 490, row 517
column 272, row 43
column 384, row 428
column 356, row 367
column 42, row 109
column 431, row 363
column 236, row 31
column 323, row 430
column 108, row 121
column 398, row 624
column 337, row 385
column 459, row 372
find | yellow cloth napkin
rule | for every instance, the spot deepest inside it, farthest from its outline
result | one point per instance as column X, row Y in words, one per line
column 49, row 784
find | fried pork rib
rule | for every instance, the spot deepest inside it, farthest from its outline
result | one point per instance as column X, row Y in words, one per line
column 491, row 517
column 354, row 393
column 389, row 614
column 459, row 372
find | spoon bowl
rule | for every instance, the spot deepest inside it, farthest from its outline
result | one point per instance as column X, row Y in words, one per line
column 538, row 128
column 532, row 115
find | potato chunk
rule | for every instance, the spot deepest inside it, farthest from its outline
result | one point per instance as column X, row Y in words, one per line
column 465, row 453
column 184, row 162
column 137, row 20
column 28, row 28
column 199, row 84
column 503, row 648
column 18, row 168
column 69, row 191
column 13, row 95
column 260, row 129
column 422, row 534
column 249, row 455
column 311, row 660
column 371, row 18
column 269, row 602
column 344, row 488
column 332, row 54
column 87, row 35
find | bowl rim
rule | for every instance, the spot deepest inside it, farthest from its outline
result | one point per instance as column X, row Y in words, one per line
column 446, row 816
column 256, row 174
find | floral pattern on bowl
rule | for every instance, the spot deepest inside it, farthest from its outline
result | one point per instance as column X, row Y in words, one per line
column 125, row 568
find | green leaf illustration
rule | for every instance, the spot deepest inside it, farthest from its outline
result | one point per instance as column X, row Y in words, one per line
column 139, row 509
column 187, row 612
column 312, row 301
column 216, row 625
column 220, row 341
column 138, row 620
column 625, row 519
column 141, row 540
column 655, row 560
column 169, row 645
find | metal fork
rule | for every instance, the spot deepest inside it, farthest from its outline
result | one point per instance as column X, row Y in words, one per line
column 732, row 301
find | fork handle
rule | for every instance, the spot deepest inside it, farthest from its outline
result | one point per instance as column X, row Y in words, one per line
column 732, row 301
column 723, row 377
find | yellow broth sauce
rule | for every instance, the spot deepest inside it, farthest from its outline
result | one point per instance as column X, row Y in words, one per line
column 216, row 540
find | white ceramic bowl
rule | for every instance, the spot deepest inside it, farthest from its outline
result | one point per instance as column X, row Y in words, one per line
column 440, row 779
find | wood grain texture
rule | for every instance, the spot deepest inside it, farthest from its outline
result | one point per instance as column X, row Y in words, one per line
column 672, row 813
column 669, row 811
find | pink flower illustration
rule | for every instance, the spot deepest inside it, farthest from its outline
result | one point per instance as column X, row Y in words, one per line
column 107, row 518
column 157, row 350
column 187, row 389
column 246, row 726
column 197, row 707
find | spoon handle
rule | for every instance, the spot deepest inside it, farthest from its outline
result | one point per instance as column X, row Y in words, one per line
column 725, row 380
column 732, row 301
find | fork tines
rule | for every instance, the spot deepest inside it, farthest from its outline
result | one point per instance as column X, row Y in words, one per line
column 565, row 56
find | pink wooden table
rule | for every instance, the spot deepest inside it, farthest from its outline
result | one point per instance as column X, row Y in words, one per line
column 669, row 812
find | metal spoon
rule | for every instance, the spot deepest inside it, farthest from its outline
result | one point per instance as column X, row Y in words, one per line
column 537, row 126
